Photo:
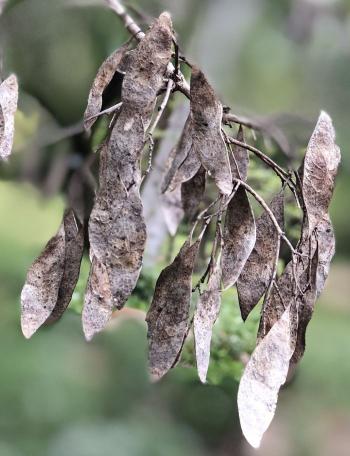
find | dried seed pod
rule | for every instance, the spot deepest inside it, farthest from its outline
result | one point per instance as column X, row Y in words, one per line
column 104, row 76
column 326, row 249
column 8, row 105
column 168, row 315
column 318, row 177
column 192, row 193
column 239, row 237
column 206, row 115
column 2, row 124
column 98, row 304
column 240, row 158
column 257, row 272
column 207, row 311
column 183, row 161
column 300, row 288
column 319, row 170
column 116, row 229
column 263, row 376
column 286, row 290
column 73, row 253
column 40, row 292
column 304, row 308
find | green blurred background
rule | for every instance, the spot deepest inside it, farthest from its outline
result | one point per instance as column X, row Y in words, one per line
column 58, row 394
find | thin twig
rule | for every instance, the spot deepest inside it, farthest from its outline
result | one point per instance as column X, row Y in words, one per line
column 162, row 106
column 272, row 281
column 109, row 110
column 275, row 133
column 183, row 86
column 232, row 154
column 265, row 206
column 209, row 269
column 161, row 109
column 129, row 23
column 280, row 171
column 201, row 215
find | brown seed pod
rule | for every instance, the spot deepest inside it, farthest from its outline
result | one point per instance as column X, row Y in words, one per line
column 326, row 249
column 319, row 170
column 263, row 377
column 206, row 116
column 192, row 193
column 74, row 248
column 304, row 305
column 52, row 277
column 8, row 107
column 257, row 272
column 183, row 161
column 239, row 237
column 103, row 77
column 207, row 311
column 168, row 315
column 98, row 304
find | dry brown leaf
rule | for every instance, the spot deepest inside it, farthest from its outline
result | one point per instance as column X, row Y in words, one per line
column 319, row 170
column 117, row 229
column 239, row 237
column 168, row 315
column 192, row 193
column 8, row 104
column 104, row 76
column 74, row 247
column 206, row 115
column 263, row 377
column 257, row 272
column 207, row 311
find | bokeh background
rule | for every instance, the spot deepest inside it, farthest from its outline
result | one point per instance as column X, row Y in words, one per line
column 281, row 60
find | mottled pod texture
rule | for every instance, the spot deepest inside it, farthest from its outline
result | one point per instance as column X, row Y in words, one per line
column 207, row 311
column 117, row 229
column 52, row 277
column 207, row 139
column 257, row 272
column 168, row 315
column 8, row 107
column 104, row 76
column 239, row 237
column 287, row 311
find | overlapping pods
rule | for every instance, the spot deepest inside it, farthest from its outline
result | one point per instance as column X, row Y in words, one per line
column 52, row 277
column 292, row 300
column 117, row 229
column 245, row 252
